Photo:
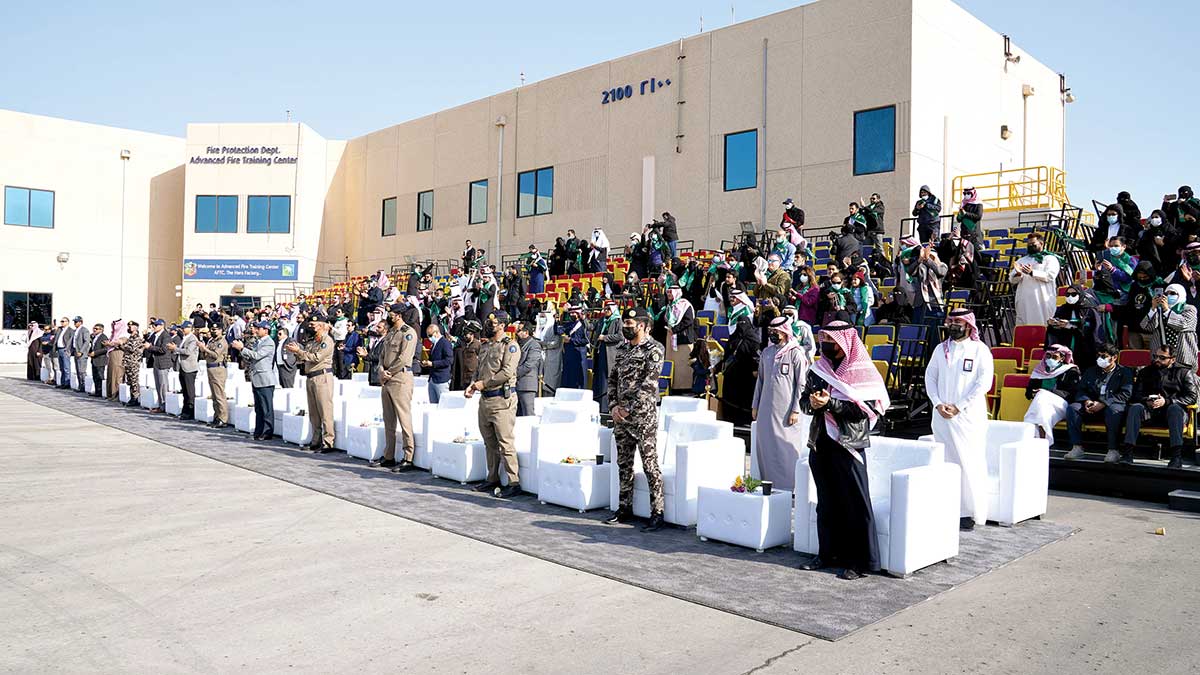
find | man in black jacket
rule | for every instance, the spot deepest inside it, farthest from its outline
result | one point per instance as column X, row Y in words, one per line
column 670, row 233
column 1163, row 392
column 1103, row 393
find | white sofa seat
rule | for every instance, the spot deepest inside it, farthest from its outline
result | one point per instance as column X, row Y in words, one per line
column 285, row 401
column 562, row 432
column 578, row 486
column 1018, row 465
column 354, row 412
column 296, row 429
column 123, row 393
column 174, row 403
column 243, row 418
column 365, row 442
column 463, row 462
column 360, row 377
column 671, row 405
column 914, row 497
column 204, row 410
column 242, row 394
column 444, row 425
column 562, row 394
column 149, row 398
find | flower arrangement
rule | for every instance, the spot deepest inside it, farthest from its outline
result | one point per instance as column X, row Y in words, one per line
column 745, row 484
column 570, row 460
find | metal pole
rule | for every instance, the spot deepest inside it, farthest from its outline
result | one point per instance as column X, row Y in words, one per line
column 762, row 190
column 121, row 253
column 499, row 191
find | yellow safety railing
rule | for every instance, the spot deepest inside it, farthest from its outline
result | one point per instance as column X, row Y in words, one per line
column 1031, row 187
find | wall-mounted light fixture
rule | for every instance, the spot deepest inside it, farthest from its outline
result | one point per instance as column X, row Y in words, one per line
column 63, row 258
column 1005, row 132
column 1008, row 54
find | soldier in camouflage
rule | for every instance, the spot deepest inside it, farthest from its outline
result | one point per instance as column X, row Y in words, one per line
column 633, row 400
column 131, row 357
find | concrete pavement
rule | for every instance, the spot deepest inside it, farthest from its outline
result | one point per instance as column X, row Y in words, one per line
column 119, row 554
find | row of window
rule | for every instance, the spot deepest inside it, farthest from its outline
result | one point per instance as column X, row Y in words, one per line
column 535, row 197
column 21, row 307
column 28, row 207
column 265, row 214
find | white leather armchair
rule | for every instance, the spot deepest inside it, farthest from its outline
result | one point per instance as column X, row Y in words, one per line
column 453, row 415
column 562, row 430
column 915, row 499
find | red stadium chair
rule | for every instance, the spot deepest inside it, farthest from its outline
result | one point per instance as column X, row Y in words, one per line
column 1134, row 358
column 1015, row 353
column 1029, row 337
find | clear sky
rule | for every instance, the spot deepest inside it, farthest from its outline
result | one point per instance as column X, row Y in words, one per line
column 349, row 67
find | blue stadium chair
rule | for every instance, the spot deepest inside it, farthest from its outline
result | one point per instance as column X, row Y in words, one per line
column 889, row 331
column 883, row 353
column 710, row 314
column 721, row 332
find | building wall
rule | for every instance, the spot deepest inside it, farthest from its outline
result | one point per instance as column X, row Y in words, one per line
column 82, row 164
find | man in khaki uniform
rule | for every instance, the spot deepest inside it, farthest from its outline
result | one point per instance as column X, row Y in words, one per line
column 214, row 350
column 496, row 382
column 317, row 357
column 396, row 378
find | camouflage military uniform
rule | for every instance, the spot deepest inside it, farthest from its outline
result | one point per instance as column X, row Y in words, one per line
column 131, row 358
column 633, row 385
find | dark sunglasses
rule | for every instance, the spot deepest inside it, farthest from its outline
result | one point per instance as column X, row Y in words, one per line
column 1162, row 357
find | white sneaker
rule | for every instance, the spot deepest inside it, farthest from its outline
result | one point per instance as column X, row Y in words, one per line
column 1112, row 457
column 1075, row 453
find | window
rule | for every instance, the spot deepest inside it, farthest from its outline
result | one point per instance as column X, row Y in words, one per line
column 388, row 225
column 217, row 213
column 425, row 211
column 741, row 160
column 28, row 207
column 477, row 203
column 272, row 215
column 535, row 192
column 875, row 140
column 20, row 308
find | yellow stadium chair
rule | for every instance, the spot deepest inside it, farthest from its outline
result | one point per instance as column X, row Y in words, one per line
column 875, row 340
column 882, row 367
column 1013, row 404
column 1002, row 367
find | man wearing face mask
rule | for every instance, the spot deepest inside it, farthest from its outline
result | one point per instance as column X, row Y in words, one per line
column 1172, row 322
column 1035, row 283
column 1145, row 287
column 530, row 367
column 316, row 357
column 372, row 355
column 785, row 249
column 1188, row 272
column 1161, row 395
column 679, row 318
column 957, row 381
column 781, row 430
column 776, row 283
column 1110, row 226
column 606, row 338
column 1182, row 209
column 633, row 395
column 926, row 272
column 927, row 211
column 1103, row 393
column 395, row 362
column 496, row 382
column 575, row 348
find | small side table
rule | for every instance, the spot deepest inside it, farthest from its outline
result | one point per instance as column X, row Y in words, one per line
column 581, row 486
column 464, row 462
column 745, row 519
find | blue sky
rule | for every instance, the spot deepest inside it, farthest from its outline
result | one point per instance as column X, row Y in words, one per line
column 350, row 67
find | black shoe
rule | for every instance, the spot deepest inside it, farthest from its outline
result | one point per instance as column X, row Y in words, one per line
column 222, row 425
column 325, row 451
column 188, row 418
column 655, row 524
column 850, row 575
column 385, row 463
column 813, row 565
column 404, row 467
column 966, row 523
column 1176, row 462
column 1126, row 457
column 486, row 486
column 509, row 491
column 623, row 515
column 258, row 437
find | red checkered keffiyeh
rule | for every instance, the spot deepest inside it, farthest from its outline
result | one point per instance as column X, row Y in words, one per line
column 854, row 379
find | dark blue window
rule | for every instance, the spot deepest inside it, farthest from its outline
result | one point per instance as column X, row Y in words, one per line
column 535, row 192
column 741, row 160
column 28, row 207
column 272, row 215
column 875, row 140
column 217, row 213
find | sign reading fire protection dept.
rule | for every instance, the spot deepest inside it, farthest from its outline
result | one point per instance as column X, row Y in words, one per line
column 202, row 269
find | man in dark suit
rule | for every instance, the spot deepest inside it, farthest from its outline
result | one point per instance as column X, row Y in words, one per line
column 60, row 353
column 285, row 361
column 529, row 368
column 81, row 339
column 371, row 357
column 441, row 360
column 99, row 355
column 161, row 360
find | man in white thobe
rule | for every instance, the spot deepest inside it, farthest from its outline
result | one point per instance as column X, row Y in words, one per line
column 1035, row 283
column 957, row 381
column 781, row 430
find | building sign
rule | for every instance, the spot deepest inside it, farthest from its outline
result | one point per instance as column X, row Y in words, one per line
column 201, row 269
column 242, row 155
column 626, row 91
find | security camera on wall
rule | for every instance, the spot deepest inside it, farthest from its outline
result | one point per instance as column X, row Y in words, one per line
column 1005, row 132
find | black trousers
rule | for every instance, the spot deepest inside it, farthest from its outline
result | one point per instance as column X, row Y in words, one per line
column 264, row 411
column 98, row 377
column 287, row 376
column 845, row 520
column 187, row 384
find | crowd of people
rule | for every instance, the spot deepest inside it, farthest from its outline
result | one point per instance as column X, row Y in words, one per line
column 493, row 332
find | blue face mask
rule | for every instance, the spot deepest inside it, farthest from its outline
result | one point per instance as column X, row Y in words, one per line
column 1115, row 250
column 1051, row 364
column 1112, row 220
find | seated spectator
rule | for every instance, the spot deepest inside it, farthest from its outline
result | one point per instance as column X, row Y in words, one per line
column 1187, row 274
column 807, row 294
column 1051, row 385
column 1104, row 391
column 1162, row 394
column 785, row 249
column 1113, row 272
column 1172, row 321
column 1145, row 287
column 926, row 272
column 1156, row 244
column 1075, row 324
column 1109, row 228
column 1183, row 212
column 846, row 248
column 864, row 300
column 775, row 283
column 837, row 302
column 895, row 310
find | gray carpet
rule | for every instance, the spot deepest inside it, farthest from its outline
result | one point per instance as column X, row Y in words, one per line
column 674, row 562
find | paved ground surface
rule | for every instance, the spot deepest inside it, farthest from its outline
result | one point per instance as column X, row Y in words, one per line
column 119, row 554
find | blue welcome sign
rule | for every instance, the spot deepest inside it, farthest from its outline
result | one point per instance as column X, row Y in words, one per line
column 203, row 269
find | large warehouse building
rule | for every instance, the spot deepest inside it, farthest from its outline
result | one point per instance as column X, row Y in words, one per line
column 824, row 103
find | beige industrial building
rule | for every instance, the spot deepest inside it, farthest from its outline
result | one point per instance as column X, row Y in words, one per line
column 824, row 103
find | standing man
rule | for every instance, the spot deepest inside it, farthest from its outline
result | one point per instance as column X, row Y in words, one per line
column 215, row 352
column 263, row 379
column 538, row 271
column 371, row 356
column 1035, row 283
column 131, row 348
column 607, row 338
column 395, row 363
column 199, row 317
column 633, row 397
column 285, row 358
column 441, row 359
column 60, row 354
column 575, row 349
column 496, row 382
column 162, row 362
column 957, row 381
column 927, row 211
column 81, row 340
column 116, row 365
column 529, row 369
column 188, row 351
column 781, row 430
column 317, row 357
column 98, row 353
